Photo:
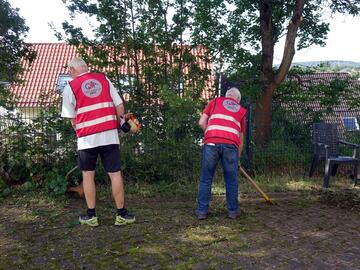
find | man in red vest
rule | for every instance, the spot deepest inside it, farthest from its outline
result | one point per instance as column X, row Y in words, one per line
column 95, row 108
column 223, row 122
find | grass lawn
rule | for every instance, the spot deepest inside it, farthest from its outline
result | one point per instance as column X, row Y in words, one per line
column 308, row 228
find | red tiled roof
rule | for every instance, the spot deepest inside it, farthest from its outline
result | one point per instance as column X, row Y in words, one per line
column 306, row 80
column 323, row 78
column 339, row 111
column 40, row 79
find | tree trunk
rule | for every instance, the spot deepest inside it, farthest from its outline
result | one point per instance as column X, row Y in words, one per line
column 269, row 79
column 263, row 112
column 264, row 103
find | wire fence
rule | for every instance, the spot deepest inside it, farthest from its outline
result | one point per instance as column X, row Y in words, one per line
column 290, row 148
column 33, row 140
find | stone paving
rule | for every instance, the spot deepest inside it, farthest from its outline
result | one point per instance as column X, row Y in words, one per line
column 297, row 233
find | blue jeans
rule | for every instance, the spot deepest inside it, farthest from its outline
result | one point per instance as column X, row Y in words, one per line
column 229, row 156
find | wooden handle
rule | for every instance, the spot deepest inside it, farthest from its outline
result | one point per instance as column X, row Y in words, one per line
column 266, row 197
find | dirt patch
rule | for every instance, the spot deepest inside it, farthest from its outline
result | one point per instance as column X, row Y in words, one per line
column 300, row 232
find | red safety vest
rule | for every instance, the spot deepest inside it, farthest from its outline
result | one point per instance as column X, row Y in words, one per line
column 95, row 110
column 224, row 123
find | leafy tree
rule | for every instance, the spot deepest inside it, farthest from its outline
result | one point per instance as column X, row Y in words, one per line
column 144, row 49
column 13, row 48
column 240, row 36
column 305, row 23
column 245, row 33
column 142, row 37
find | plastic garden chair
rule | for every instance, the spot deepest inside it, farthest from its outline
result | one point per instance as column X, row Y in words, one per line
column 325, row 139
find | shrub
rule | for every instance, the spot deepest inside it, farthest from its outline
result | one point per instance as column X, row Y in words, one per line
column 168, row 147
column 31, row 150
column 56, row 183
column 280, row 154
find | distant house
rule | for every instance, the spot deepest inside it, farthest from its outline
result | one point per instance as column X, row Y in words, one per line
column 47, row 76
column 347, row 117
column 41, row 80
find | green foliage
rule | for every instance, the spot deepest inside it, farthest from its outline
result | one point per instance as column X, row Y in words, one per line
column 168, row 148
column 42, row 151
column 14, row 167
column 239, row 37
column 278, row 155
column 259, row 27
column 28, row 186
column 299, row 102
column 55, row 183
column 30, row 150
column 139, row 37
column 13, row 49
column 164, row 84
column 4, row 189
column 287, row 127
column 307, row 97
column 6, row 192
column 14, row 163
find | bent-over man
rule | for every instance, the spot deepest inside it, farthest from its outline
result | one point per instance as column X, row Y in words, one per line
column 223, row 122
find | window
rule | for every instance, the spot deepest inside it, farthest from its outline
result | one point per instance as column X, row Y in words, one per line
column 126, row 82
column 350, row 123
column 63, row 80
column 7, row 118
column 5, row 84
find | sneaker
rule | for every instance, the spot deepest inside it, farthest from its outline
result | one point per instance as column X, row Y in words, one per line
column 125, row 218
column 233, row 215
column 91, row 221
column 201, row 216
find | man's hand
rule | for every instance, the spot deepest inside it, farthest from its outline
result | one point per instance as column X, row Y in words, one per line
column 120, row 111
column 203, row 121
column 73, row 124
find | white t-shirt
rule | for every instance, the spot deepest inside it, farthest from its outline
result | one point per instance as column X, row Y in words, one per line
column 97, row 139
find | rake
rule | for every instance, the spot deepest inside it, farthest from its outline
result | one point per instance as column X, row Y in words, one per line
column 263, row 194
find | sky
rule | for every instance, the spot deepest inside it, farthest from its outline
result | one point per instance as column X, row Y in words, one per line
column 343, row 41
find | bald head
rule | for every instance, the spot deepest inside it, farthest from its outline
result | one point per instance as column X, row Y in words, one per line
column 234, row 93
column 77, row 66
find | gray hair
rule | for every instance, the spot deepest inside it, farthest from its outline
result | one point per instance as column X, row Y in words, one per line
column 78, row 64
column 234, row 93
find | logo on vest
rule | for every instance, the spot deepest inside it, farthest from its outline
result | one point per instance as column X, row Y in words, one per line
column 91, row 88
column 231, row 106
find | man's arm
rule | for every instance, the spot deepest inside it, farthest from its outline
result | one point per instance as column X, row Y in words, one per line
column 119, row 106
column 120, row 110
column 68, row 105
column 243, row 127
column 203, row 121
column 72, row 121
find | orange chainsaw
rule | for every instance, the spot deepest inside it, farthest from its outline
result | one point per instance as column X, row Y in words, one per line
column 130, row 123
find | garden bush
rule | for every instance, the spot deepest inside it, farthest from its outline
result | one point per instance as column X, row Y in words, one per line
column 43, row 150
column 31, row 149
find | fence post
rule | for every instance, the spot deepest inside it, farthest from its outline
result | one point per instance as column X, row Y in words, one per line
column 248, row 146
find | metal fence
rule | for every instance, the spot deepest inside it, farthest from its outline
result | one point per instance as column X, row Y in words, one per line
column 290, row 147
column 47, row 140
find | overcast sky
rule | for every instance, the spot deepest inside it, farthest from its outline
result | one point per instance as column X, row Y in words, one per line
column 343, row 40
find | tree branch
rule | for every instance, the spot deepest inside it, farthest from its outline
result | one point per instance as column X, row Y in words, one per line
column 289, row 49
